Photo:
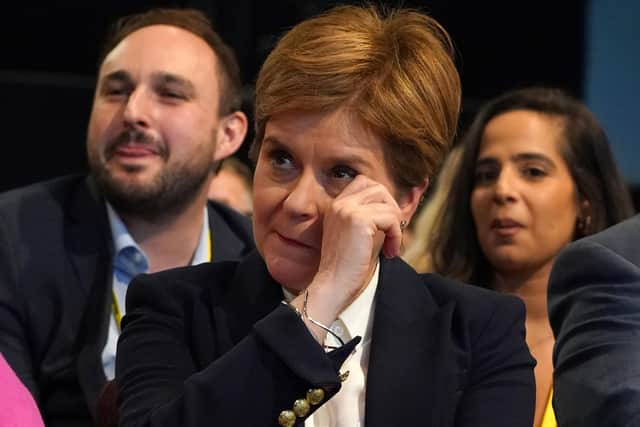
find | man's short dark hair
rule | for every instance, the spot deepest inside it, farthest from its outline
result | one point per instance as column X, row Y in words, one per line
column 197, row 23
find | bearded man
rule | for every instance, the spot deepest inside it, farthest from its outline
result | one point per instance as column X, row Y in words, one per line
column 166, row 110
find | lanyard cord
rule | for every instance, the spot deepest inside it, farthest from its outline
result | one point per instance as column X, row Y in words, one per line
column 115, row 307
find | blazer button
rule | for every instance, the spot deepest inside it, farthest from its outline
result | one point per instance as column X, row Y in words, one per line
column 315, row 396
column 301, row 407
column 287, row 418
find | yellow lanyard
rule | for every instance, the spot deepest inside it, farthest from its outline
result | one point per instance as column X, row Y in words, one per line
column 117, row 314
column 115, row 307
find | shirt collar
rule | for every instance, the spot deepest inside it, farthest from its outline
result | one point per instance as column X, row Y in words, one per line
column 204, row 250
column 122, row 239
column 356, row 317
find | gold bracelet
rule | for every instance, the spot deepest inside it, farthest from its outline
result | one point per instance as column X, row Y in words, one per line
column 318, row 324
column 299, row 314
column 292, row 307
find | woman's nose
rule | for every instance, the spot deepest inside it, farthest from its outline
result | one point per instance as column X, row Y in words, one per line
column 504, row 188
column 305, row 198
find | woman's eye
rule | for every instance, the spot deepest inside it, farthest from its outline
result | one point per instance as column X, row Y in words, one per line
column 280, row 159
column 534, row 172
column 343, row 173
column 485, row 176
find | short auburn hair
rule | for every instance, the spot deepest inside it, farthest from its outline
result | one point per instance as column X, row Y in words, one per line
column 197, row 23
column 393, row 68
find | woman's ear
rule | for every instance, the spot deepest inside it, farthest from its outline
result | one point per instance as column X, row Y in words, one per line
column 410, row 200
column 231, row 131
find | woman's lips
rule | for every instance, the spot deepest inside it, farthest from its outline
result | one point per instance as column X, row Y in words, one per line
column 506, row 226
column 293, row 242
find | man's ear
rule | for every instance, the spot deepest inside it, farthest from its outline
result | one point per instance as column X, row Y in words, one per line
column 410, row 200
column 231, row 131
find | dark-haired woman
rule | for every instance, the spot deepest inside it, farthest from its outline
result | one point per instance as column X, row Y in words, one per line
column 537, row 172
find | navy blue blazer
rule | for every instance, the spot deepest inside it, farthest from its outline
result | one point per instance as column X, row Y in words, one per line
column 594, row 308
column 55, row 282
column 212, row 345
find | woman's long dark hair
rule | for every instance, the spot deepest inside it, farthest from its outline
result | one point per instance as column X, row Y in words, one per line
column 456, row 251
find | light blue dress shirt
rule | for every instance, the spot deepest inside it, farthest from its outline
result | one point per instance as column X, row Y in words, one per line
column 130, row 260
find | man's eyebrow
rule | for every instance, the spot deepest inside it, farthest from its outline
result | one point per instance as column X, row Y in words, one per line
column 118, row 76
column 169, row 79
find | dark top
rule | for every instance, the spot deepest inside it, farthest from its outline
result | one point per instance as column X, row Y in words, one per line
column 212, row 345
column 55, row 282
column 594, row 307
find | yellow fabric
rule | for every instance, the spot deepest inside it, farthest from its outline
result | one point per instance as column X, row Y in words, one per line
column 549, row 417
column 116, row 308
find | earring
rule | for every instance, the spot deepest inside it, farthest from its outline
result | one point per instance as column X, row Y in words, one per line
column 403, row 224
column 584, row 224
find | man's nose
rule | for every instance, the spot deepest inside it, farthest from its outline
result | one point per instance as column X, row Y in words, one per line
column 138, row 108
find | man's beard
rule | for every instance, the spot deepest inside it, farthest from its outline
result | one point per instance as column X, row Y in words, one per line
column 167, row 194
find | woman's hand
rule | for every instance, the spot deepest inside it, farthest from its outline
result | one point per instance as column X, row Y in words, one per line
column 360, row 221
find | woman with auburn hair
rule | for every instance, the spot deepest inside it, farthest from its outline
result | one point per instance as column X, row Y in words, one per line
column 324, row 325
column 536, row 173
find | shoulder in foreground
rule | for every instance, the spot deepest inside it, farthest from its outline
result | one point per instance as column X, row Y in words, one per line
column 622, row 238
column 472, row 301
column 190, row 279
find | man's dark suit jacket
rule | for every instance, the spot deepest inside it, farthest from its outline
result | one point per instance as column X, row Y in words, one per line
column 594, row 307
column 212, row 345
column 55, row 284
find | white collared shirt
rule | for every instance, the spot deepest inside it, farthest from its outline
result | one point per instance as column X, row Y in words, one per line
column 128, row 261
column 346, row 408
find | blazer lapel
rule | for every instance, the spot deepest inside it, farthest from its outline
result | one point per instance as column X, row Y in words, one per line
column 412, row 364
column 409, row 366
column 251, row 295
column 88, row 245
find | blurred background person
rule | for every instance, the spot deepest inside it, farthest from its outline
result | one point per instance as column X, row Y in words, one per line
column 232, row 185
column 536, row 173
column 166, row 107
